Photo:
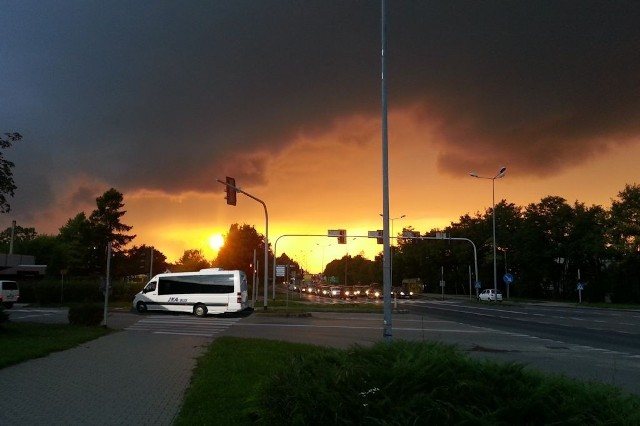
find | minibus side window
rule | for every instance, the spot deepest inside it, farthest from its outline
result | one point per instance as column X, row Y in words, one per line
column 149, row 287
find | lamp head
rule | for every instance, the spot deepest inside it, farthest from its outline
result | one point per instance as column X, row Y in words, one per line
column 501, row 172
column 473, row 174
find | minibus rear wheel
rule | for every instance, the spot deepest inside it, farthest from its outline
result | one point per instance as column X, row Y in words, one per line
column 200, row 310
column 141, row 307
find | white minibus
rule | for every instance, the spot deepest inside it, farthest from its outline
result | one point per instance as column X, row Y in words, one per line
column 213, row 291
column 9, row 293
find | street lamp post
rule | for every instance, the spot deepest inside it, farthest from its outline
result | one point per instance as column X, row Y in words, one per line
column 323, row 247
column 391, row 244
column 493, row 213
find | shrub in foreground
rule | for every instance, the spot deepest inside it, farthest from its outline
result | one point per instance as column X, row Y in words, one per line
column 88, row 314
column 4, row 317
column 412, row 383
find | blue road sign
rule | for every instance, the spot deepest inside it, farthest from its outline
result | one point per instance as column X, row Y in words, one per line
column 580, row 287
column 507, row 278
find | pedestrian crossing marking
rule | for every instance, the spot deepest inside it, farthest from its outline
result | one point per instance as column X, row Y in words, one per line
column 185, row 326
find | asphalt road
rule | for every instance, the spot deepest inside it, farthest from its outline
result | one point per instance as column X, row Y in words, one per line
column 601, row 345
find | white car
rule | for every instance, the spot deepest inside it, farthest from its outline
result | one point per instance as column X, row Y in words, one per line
column 489, row 294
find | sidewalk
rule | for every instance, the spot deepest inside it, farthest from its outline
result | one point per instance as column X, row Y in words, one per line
column 124, row 378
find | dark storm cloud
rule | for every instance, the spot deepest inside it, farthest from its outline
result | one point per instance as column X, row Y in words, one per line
column 165, row 94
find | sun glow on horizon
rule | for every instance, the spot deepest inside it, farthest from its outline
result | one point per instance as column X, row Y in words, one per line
column 216, row 241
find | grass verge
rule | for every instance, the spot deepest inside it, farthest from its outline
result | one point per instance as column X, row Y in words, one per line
column 20, row 342
column 260, row 382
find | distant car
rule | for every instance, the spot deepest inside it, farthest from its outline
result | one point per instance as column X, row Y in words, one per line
column 335, row 291
column 348, row 292
column 400, row 293
column 324, row 290
column 374, row 293
column 488, row 294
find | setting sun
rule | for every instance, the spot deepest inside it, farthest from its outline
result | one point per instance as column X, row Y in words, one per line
column 216, row 241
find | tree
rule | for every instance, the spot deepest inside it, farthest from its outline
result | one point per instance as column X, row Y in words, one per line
column 7, row 185
column 49, row 250
column 76, row 237
column 352, row 270
column 87, row 238
column 21, row 238
column 625, row 220
column 105, row 221
column 625, row 239
column 545, row 239
column 138, row 260
column 191, row 260
column 588, row 248
column 238, row 248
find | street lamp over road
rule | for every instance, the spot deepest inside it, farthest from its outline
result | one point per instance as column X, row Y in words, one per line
column 493, row 213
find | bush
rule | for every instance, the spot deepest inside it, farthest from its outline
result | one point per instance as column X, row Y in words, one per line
column 4, row 317
column 49, row 291
column 408, row 383
column 89, row 314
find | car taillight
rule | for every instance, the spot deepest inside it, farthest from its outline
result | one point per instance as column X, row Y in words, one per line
column 239, row 297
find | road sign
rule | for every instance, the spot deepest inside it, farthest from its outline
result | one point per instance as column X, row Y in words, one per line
column 478, row 285
column 280, row 271
column 507, row 278
column 580, row 287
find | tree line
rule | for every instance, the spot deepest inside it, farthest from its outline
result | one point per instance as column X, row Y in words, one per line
column 79, row 249
column 548, row 248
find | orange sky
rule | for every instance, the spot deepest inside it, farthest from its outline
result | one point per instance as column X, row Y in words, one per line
column 334, row 181
column 158, row 100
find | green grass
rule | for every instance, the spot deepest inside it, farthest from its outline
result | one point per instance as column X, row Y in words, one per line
column 260, row 382
column 229, row 377
column 20, row 342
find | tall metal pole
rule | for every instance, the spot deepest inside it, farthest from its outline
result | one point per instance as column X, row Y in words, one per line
column 151, row 265
column 495, row 268
column 493, row 214
column 266, row 239
column 386, row 264
column 106, row 284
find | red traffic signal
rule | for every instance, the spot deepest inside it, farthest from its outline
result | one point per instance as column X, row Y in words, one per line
column 342, row 238
column 231, row 191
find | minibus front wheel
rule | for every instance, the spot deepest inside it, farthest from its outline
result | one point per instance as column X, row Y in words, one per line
column 200, row 310
column 141, row 307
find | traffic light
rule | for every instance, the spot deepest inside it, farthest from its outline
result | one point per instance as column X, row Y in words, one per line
column 231, row 191
column 380, row 238
column 342, row 238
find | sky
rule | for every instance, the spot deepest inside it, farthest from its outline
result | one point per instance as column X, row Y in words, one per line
column 159, row 99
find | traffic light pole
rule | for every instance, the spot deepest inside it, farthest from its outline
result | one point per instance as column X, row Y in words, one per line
column 475, row 254
column 266, row 239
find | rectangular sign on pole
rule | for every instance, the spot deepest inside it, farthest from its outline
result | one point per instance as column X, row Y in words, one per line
column 280, row 270
column 333, row 233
